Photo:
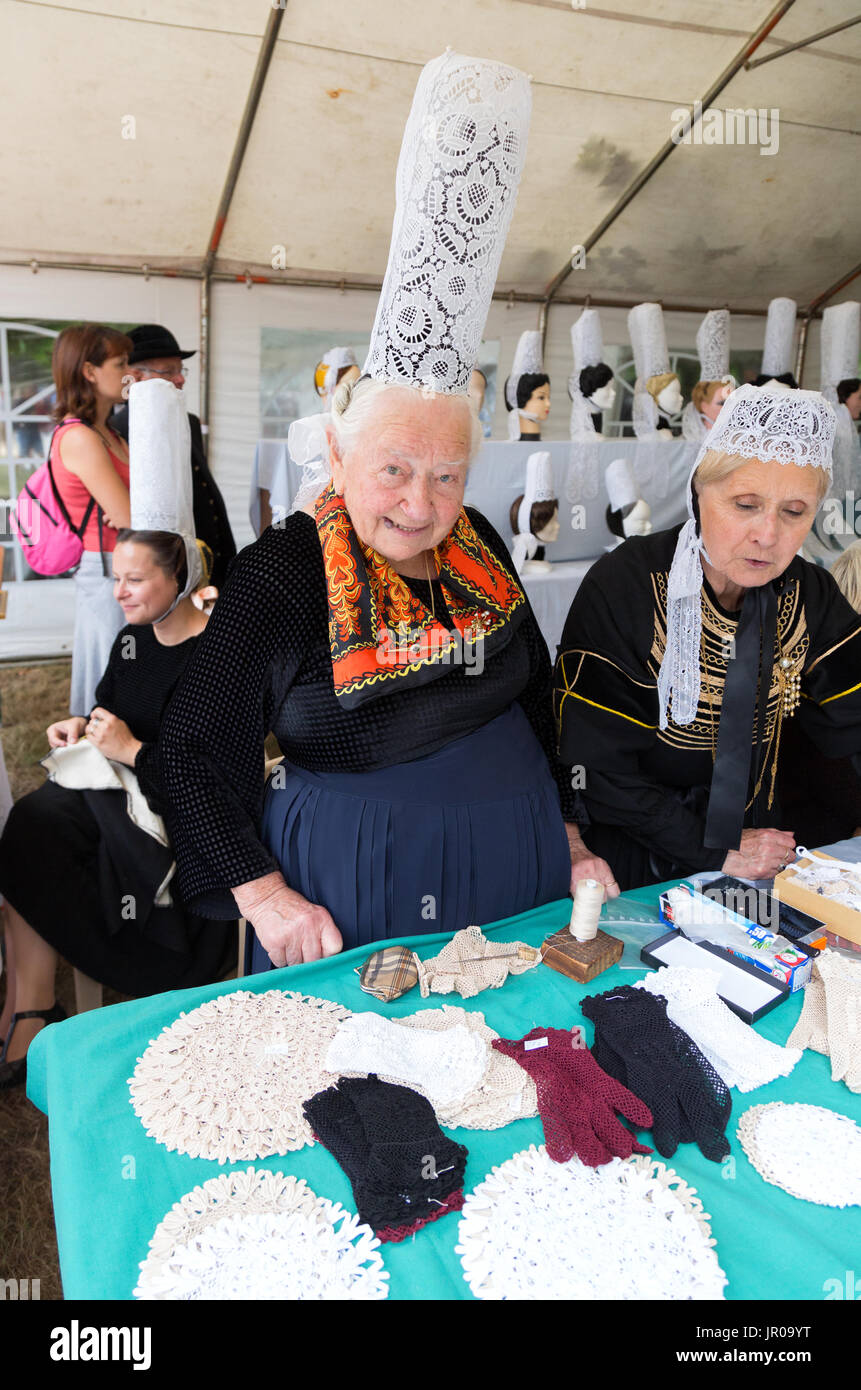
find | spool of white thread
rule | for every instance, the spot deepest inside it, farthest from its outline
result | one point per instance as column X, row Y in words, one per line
column 588, row 900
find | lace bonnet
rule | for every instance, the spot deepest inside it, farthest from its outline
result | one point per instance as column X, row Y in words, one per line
column 841, row 342
column 331, row 363
column 651, row 358
column 587, row 346
column 160, row 490
column 779, row 337
column 713, row 345
column 754, row 423
column 462, row 154
column 539, row 487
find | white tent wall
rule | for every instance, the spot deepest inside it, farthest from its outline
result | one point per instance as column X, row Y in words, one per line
column 93, row 296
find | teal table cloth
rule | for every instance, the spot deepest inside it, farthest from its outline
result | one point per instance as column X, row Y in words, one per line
column 112, row 1184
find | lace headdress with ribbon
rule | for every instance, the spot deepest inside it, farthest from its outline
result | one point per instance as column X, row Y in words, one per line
column 528, row 361
column 754, row 423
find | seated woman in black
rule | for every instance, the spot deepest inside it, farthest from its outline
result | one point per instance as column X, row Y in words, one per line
column 80, row 879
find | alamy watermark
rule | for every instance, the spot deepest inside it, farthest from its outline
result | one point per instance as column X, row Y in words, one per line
column 396, row 647
column 735, row 126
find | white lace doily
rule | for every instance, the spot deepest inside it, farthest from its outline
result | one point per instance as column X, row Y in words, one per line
column 228, row 1080
column 261, row 1235
column 632, row 1229
column 812, row 1153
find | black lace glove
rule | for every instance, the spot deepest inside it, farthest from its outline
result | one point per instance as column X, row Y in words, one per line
column 637, row 1044
column 403, row 1170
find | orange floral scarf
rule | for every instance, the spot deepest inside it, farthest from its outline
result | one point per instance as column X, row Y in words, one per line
column 382, row 636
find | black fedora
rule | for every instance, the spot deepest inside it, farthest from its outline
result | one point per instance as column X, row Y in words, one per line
column 151, row 340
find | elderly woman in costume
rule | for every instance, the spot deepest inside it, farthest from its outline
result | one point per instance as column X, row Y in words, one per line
column 385, row 640
column 685, row 653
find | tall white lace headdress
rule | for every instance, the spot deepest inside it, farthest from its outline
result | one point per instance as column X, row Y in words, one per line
column 754, row 423
column 462, row 154
column 539, row 487
column 160, row 485
column 528, row 361
column 713, row 352
column 779, row 338
column 651, row 358
column 840, row 344
column 587, row 346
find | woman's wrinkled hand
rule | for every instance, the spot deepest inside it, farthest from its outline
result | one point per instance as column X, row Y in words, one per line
column 66, row 731
column 112, row 736
column 761, row 854
column 290, row 929
column 584, row 864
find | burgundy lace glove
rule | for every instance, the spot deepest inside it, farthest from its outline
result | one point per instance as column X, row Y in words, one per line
column 577, row 1101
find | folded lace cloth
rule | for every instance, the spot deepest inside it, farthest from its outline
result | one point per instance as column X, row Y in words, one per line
column 470, row 963
column 637, row 1043
column 830, row 1020
column 505, row 1093
column 446, row 1067
column 577, row 1101
column 403, row 1170
column 736, row 1052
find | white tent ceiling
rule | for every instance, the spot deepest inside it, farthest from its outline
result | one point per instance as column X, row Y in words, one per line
column 716, row 223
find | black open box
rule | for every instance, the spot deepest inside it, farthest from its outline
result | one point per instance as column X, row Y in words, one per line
column 778, row 989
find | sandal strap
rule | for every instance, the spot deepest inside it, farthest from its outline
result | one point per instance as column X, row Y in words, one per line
column 34, row 1013
column 53, row 1015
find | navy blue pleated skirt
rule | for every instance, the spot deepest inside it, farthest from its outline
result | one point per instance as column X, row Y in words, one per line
column 471, row 833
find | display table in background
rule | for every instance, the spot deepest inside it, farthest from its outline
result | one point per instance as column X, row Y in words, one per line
column 112, row 1184
column 550, row 596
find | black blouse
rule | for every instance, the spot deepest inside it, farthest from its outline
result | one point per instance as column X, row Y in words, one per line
column 638, row 777
column 138, row 682
column 264, row 665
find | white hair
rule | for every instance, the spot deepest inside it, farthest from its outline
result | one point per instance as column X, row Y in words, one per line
column 354, row 402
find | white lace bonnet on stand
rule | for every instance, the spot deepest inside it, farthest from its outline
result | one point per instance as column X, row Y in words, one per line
column 334, row 361
column 462, row 154
column 253, row 1234
column 631, row 1229
column 528, row 361
column 160, row 484
column 754, row 423
column 779, row 338
column 840, row 346
column 713, row 352
column 587, row 347
column 651, row 358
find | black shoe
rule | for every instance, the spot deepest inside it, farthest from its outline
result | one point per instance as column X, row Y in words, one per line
column 15, row 1073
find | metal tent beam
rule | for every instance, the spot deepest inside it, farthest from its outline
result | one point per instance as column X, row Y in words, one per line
column 803, row 43
column 664, row 153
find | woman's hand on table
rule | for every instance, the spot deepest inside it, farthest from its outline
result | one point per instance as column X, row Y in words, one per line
column 113, row 737
column 584, row 864
column 66, row 731
column 761, row 854
column 290, row 929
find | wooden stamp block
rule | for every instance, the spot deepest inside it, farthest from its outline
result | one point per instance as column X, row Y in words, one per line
column 581, row 960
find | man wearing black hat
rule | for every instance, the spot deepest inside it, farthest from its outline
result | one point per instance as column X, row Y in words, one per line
column 157, row 353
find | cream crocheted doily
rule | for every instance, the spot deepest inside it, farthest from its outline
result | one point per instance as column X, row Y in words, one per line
column 811, row 1152
column 631, row 1229
column 228, row 1080
column 260, row 1235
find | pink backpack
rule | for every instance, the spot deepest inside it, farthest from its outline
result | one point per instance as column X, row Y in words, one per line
column 50, row 542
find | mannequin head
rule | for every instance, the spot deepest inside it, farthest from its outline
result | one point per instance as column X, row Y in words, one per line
column 633, row 520
column 349, row 373
column 543, row 519
column 849, row 394
column 533, row 394
column 708, row 397
column 665, row 392
column 774, row 383
column 596, row 386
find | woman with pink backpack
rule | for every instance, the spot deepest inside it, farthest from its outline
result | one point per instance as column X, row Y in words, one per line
column 90, row 469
